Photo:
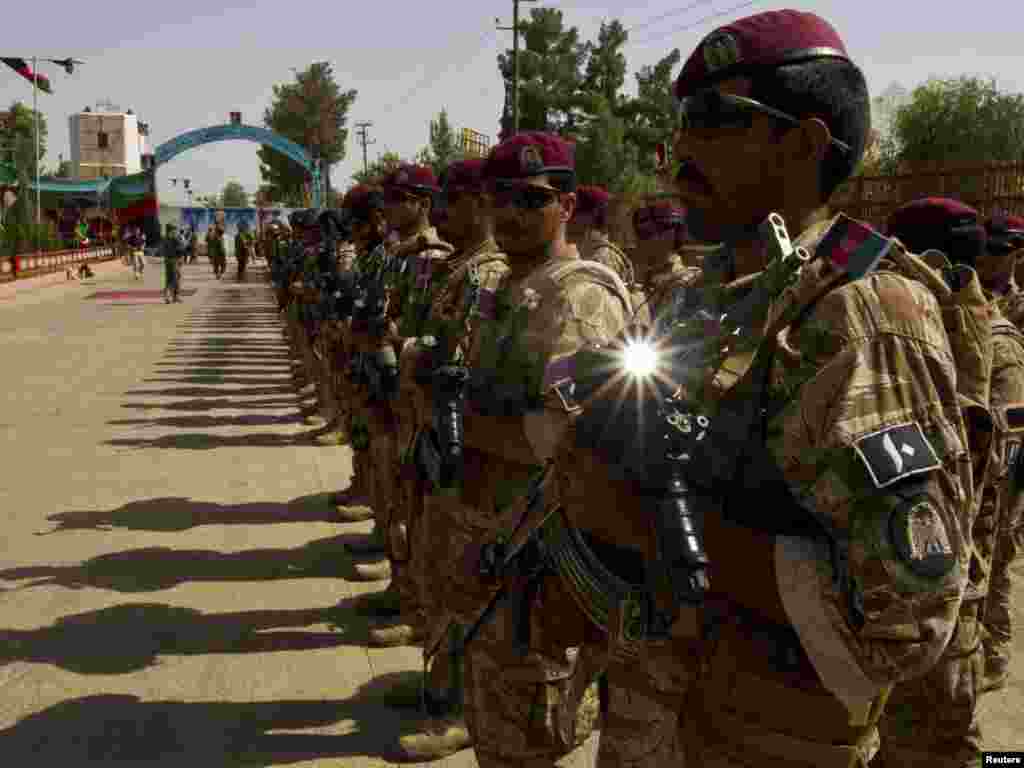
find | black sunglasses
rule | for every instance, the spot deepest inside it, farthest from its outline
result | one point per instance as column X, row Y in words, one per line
column 710, row 109
column 523, row 196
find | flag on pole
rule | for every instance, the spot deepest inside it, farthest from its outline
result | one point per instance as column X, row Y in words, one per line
column 22, row 68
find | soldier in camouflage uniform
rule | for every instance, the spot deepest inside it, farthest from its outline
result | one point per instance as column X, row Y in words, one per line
column 641, row 701
column 415, row 256
column 447, row 522
column 996, row 269
column 529, row 694
column 588, row 231
column 365, row 204
column 932, row 720
column 834, row 531
column 865, row 399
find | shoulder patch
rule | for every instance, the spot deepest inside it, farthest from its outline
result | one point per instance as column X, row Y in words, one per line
column 920, row 538
column 896, row 452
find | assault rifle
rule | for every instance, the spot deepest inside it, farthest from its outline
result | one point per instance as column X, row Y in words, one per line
column 378, row 371
column 665, row 439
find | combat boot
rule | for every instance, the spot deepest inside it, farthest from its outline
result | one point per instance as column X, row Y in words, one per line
column 395, row 635
column 438, row 739
column 997, row 673
column 356, row 511
column 378, row 571
column 372, row 544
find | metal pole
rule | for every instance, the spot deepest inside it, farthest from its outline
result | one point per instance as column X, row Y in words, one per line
column 515, row 66
column 35, row 114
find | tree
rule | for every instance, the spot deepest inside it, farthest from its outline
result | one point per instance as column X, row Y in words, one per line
column 210, row 201
column 444, row 147
column 650, row 116
column 17, row 139
column 312, row 112
column 550, row 73
column 957, row 122
column 606, row 65
column 384, row 164
column 234, row 195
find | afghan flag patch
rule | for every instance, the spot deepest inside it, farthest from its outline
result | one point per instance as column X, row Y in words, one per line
column 853, row 247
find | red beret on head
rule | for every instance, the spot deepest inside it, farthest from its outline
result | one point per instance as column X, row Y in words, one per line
column 657, row 219
column 361, row 199
column 416, row 178
column 591, row 199
column 940, row 223
column 939, row 214
column 759, row 42
column 530, row 153
column 465, row 174
column 1005, row 233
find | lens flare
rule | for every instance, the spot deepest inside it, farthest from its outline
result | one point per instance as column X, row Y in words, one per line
column 640, row 359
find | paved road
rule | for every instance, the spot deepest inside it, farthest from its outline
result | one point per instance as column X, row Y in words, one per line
column 172, row 588
column 169, row 575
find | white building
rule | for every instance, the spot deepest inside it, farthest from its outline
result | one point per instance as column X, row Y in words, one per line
column 106, row 143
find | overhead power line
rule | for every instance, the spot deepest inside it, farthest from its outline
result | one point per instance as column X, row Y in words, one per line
column 676, row 12
column 696, row 23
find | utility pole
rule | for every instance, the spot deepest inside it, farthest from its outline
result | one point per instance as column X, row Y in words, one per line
column 361, row 128
column 514, row 29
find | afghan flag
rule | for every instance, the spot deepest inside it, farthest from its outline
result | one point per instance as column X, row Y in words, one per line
column 22, row 68
column 134, row 196
column 853, row 247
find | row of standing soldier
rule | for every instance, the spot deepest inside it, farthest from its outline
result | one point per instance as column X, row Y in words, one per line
column 782, row 540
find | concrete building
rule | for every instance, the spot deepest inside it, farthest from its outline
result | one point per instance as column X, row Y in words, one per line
column 106, row 143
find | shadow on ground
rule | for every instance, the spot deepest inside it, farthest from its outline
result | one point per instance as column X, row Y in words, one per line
column 156, row 568
column 211, row 404
column 215, row 391
column 176, row 513
column 198, row 422
column 221, row 378
column 119, row 729
column 130, row 637
column 199, row 441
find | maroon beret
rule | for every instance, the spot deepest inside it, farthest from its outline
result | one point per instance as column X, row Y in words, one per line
column 416, row 178
column 657, row 219
column 1005, row 233
column 762, row 41
column 939, row 214
column 465, row 174
column 530, row 153
column 591, row 198
column 361, row 199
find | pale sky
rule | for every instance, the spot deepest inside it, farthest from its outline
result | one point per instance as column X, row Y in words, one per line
column 187, row 64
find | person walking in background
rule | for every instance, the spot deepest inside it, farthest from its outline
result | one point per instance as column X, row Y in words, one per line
column 137, row 243
column 171, row 251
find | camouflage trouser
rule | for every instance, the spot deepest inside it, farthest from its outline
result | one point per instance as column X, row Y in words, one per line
column 931, row 721
column 325, row 378
column 640, row 723
column 405, row 515
column 997, row 618
column 526, row 711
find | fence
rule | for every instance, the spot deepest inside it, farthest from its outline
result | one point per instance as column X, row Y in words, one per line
column 989, row 189
column 35, row 264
